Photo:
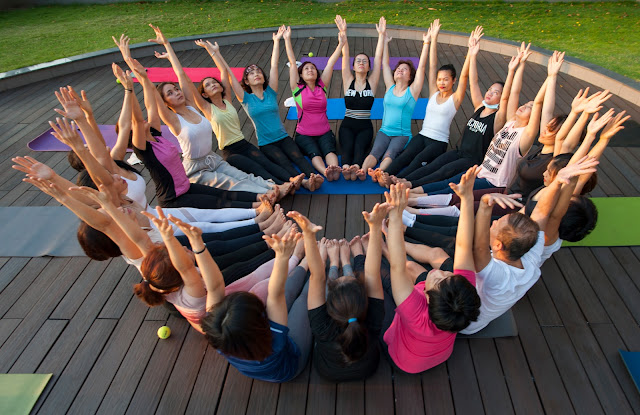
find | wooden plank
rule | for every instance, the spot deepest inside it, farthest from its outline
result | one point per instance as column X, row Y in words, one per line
column 407, row 393
column 122, row 294
column 292, row 399
column 436, row 389
column 379, row 390
column 626, row 286
column 463, row 377
column 79, row 291
column 321, row 398
column 336, row 219
column 350, row 398
column 491, row 379
column 354, row 221
column 208, row 386
column 263, row 398
column 7, row 326
column 10, row 268
column 519, row 380
column 39, row 346
column 17, row 286
column 235, row 394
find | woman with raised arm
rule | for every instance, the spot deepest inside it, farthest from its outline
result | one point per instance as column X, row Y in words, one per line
column 430, row 313
column 258, row 95
column 347, row 312
column 194, row 133
column 360, row 86
column 309, row 89
column 489, row 118
column 443, row 104
column 403, row 89
column 236, row 150
column 269, row 341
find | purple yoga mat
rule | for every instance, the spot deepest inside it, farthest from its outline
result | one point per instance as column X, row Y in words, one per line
column 47, row 142
column 321, row 62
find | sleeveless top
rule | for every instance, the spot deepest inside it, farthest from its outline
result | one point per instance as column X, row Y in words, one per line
column 136, row 190
column 312, row 109
column 529, row 172
column 195, row 140
column 437, row 119
column 477, row 136
column 226, row 125
column 396, row 119
column 358, row 103
column 499, row 164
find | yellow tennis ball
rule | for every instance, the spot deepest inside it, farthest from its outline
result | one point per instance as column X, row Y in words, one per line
column 164, row 332
column 117, row 81
column 311, row 54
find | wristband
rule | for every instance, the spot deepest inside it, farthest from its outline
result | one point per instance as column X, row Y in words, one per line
column 201, row 251
column 127, row 89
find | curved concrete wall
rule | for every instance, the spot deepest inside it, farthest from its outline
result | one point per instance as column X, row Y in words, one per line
column 626, row 88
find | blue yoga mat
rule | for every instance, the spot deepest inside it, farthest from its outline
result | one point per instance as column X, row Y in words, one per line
column 336, row 109
column 632, row 362
column 346, row 187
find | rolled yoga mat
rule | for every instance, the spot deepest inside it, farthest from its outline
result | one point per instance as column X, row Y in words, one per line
column 47, row 142
column 336, row 109
column 195, row 74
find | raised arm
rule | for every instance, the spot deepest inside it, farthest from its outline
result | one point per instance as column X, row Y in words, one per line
column 434, row 28
column 474, row 86
column 463, row 258
column 294, row 77
column 386, row 69
column 569, row 135
column 124, row 121
column 226, row 76
column 474, row 47
column 516, row 87
column 401, row 282
column 501, row 115
column 374, row 76
column 532, row 129
column 372, row 281
column 549, row 104
column 347, row 75
column 327, row 73
column 96, row 142
column 418, row 82
column 275, row 57
column 283, row 247
column 318, row 278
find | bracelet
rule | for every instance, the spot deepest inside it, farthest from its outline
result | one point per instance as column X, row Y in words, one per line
column 426, row 43
column 213, row 53
column 127, row 89
column 201, row 251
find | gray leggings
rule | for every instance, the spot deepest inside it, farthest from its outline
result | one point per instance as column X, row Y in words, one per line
column 298, row 323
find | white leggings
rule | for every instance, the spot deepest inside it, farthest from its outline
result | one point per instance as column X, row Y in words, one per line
column 209, row 220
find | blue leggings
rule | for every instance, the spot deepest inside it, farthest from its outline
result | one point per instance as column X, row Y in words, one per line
column 442, row 187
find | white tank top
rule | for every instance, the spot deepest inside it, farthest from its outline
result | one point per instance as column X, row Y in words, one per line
column 437, row 119
column 196, row 140
column 136, row 189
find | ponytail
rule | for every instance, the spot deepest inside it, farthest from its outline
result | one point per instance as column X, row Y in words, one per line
column 144, row 292
column 347, row 306
column 354, row 341
column 157, row 272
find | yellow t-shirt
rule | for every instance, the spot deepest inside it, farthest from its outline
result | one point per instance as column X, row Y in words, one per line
column 226, row 125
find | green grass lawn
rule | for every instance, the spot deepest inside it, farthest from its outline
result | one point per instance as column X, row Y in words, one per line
column 607, row 34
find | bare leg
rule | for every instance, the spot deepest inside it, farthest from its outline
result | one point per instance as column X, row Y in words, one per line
column 365, row 241
column 299, row 250
column 345, row 253
column 356, row 246
column 277, row 224
column 297, row 180
column 369, row 163
column 417, row 190
column 318, row 164
column 385, row 163
column 426, row 254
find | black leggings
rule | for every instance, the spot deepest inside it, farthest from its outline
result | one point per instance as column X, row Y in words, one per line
column 207, row 197
column 241, row 269
column 245, row 156
column 222, row 247
column 420, row 150
column 444, row 166
column 285, row 153
column 355, row 139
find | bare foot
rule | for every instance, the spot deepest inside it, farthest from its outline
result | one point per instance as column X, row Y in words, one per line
column 272, row 195
column 317, row 180
column 285, row 228
column 322, row 246
column 398, row 180
column 354, row 171
column 346, row 172
column 277, row 224
column 384, row 179
column 361, row 174
column 356, row 246
column 373, row 173
column 264, row 211
column 345, row 252
column 297, row 180
column 299, row 249
column 285, row 189
column 365, row 241
column 418, row 191
column 333, row 251
column 267, row 222
column 336, row 170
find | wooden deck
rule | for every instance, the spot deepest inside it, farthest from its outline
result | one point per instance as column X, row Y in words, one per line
column 79, row 320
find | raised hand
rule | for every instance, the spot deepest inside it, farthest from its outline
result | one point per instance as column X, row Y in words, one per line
column 381, row 27
column 342, row 24
column 161, row 55
column 555, row 63
column 122, row 76
column 388, row 38
column 435, row 29
column 595, row 101
column 282, row 32
column 33, row 168
column 465, row 187
column 123, row 45
column 597, row 122
column 614, row 125
column 397, row 196
column 101, row 197
column 580, row 101
column 377, row 214
column 46, row 187
column 303, row 222
column 66, row 132
column 286, row 245
column 81, row 99
column 583, row 166
column 474, row 46
column 523, row 52
column 426, row 36
column 502, row 200
column 137, row 67
column 342, row 38
column 192, row 232
column 72, row 109
column 161, row 222
column 160, row 39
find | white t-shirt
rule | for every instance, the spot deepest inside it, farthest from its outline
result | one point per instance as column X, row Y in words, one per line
column 500, row 285
column 499, row 164
column 549, row 250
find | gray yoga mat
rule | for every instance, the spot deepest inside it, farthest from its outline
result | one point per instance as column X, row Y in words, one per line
column 503, row 326
column 34, row 231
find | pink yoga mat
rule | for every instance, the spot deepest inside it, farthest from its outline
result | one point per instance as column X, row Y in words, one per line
column 321, row 62
column 195, row 74
column 47, row 142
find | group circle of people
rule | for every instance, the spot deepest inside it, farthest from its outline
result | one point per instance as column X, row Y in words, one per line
column 477, row 221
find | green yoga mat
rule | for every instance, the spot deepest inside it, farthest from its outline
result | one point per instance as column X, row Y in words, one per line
column 618, row 223
column 18, row 392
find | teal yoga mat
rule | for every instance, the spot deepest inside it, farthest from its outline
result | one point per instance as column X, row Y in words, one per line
column 336, row 109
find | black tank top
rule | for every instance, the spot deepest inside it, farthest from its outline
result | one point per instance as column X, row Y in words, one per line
column 358, row 103
column 477, row 136
column 529, row 172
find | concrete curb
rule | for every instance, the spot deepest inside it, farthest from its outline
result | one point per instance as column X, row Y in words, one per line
column 622, row 86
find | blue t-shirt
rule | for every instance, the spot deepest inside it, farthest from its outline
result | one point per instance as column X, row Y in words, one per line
column 281, row 366
column 265, row 116
column 396, row 119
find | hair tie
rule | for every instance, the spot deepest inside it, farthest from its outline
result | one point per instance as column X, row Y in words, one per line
column 145, row 280
column 352, row 319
